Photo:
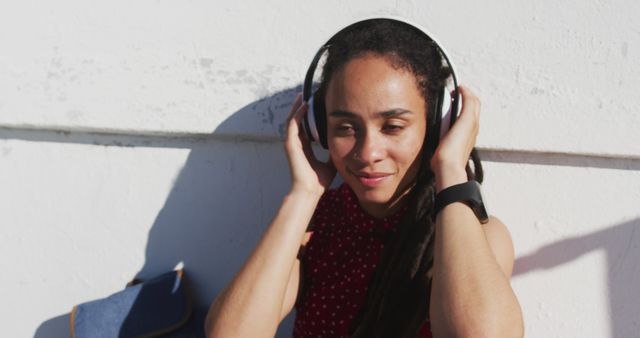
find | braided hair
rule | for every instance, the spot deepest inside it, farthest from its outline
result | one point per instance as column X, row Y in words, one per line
column 397, row 300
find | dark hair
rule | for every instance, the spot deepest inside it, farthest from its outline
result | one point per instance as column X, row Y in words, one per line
column 397, row 301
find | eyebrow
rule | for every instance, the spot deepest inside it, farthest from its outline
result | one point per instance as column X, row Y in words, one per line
column 383, row 114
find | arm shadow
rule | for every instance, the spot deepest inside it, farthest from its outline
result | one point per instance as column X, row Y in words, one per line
column 223, row 199
column 622, row 248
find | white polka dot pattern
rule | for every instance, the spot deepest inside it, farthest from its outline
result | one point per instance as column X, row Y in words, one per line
column 338, row 264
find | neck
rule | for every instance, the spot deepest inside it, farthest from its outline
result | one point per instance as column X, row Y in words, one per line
column 381, row 210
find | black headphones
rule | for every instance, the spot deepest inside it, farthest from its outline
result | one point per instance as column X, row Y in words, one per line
column 315, row 121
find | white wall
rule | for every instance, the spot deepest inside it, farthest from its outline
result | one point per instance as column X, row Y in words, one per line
column 136, row 135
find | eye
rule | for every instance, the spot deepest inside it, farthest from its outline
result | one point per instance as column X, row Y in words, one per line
column 393, row 128
column 345, row 129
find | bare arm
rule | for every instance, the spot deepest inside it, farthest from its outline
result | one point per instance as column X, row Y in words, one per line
column 252, row 304
column 264, row 290
column 291, row 295
column 471, row 295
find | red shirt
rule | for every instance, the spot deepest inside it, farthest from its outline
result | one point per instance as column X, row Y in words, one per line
column 338, row 263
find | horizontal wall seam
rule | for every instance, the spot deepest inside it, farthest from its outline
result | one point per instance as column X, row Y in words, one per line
column 163, row 139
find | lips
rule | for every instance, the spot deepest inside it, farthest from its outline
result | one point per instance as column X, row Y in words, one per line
column 371, row 179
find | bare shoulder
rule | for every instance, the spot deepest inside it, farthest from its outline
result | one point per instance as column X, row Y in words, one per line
column 499, row 239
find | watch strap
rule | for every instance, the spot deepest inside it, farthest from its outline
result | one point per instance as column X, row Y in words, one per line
column 468, row 193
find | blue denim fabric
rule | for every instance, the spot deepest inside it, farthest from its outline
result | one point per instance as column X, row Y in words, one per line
column 154, row 306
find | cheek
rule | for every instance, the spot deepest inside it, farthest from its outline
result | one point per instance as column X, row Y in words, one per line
column 409, row 160
column 412, row 149
column 339, row 151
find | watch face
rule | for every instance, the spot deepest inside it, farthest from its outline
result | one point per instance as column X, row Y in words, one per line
column 486, row 210
column 479, row 206
column 481, row 213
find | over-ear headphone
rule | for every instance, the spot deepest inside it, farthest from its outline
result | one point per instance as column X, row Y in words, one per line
column 314, row 123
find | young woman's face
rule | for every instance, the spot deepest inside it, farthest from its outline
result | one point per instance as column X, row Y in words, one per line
column 376, row 125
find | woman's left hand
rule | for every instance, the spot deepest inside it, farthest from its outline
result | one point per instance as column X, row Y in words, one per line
column 452, row 154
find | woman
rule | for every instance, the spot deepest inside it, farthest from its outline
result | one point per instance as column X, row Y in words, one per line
column 379, row 260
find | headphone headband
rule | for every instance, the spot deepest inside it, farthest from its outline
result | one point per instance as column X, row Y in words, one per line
column 448, row 101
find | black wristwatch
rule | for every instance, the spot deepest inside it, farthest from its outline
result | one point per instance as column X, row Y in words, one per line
column 467, row 192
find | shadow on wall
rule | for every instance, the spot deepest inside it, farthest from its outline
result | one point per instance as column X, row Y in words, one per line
column 55, row 328
column 622, row 248
column 221, row 202
column 219, row 205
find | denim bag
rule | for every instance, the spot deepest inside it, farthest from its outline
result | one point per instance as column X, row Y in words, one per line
column 152, row 308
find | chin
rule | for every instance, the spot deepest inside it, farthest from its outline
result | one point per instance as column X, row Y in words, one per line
column 373, row 195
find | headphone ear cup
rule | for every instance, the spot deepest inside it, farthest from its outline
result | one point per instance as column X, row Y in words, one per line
column 320, row 116
column 314, row 122
column 433, row 134
column 445, row 110
column 308, row 124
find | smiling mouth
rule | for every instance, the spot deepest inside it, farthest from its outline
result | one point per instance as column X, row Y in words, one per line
column 370, row 179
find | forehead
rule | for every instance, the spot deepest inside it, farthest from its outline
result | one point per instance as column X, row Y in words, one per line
column 372, row 83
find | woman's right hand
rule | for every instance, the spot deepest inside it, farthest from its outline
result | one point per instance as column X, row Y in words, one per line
column 307, row 173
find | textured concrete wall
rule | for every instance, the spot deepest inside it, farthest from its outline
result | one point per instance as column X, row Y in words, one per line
column 137, row 135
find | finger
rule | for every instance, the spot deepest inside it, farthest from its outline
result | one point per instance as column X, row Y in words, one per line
column 296, row 118
column 295, row 106
column 462, row 136
column 470, row 101
column 469, row 116
column 299, row 114
column 293, row 127
column 306, row 148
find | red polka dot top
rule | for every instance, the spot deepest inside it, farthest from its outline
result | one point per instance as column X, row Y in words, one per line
column 338, row 263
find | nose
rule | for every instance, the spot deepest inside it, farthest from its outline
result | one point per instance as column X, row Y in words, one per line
column 370, row 149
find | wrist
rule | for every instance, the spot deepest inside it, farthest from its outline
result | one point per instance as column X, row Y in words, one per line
column 306, row 193
column 447, row 178
column 469, row 193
